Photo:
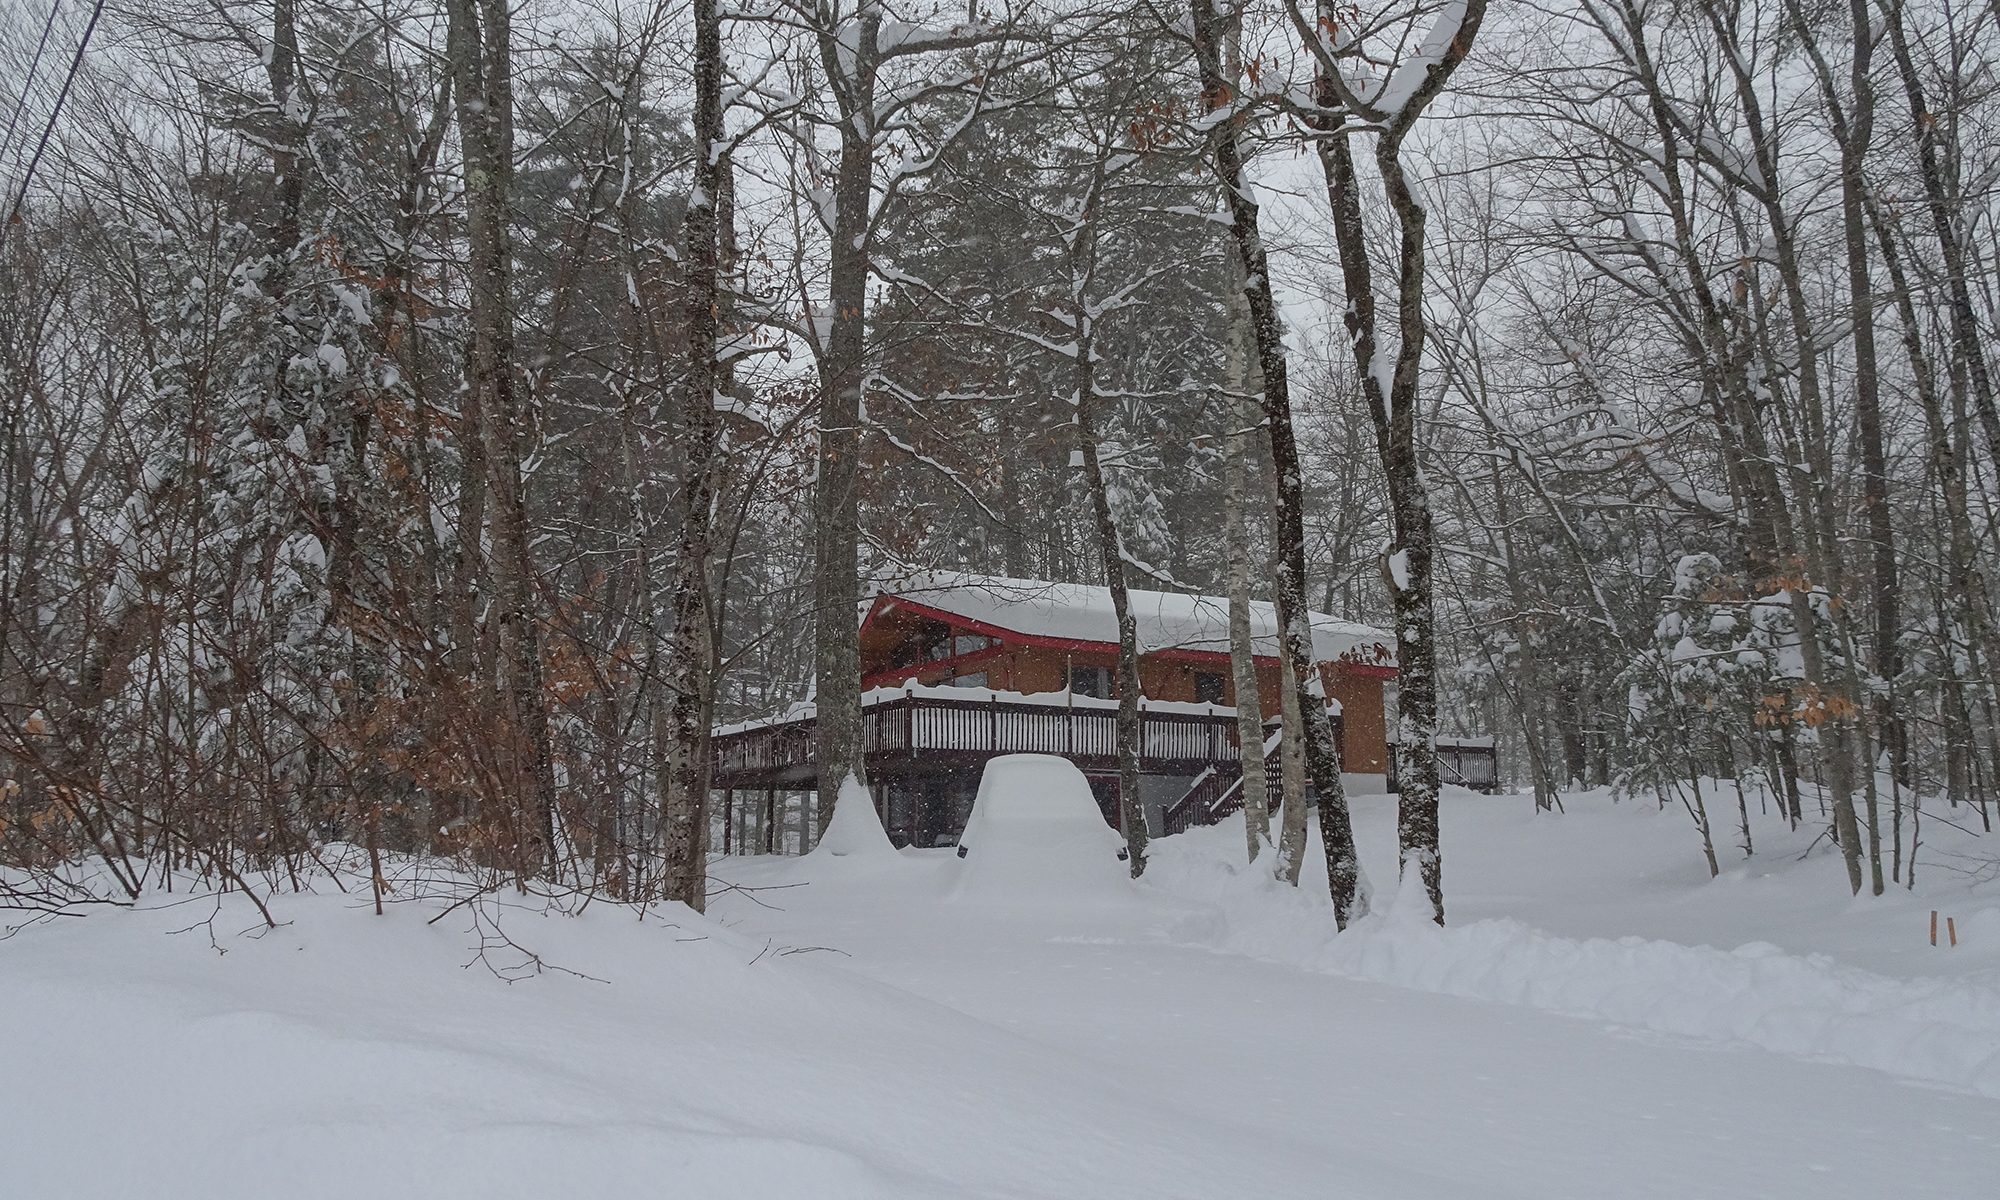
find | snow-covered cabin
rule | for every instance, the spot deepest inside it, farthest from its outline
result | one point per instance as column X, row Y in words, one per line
column 1038, row 638
column 957, row 668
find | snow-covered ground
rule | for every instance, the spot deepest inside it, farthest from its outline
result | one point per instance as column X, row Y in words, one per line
column 867, row 1026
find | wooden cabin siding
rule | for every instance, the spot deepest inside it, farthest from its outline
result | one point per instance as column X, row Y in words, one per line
column 1366, row 744
column 1032, row 669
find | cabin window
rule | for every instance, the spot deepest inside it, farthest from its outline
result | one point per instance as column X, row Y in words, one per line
column 1091, row 681
column 926, row 641
column 1208, row 687
column 971, row 679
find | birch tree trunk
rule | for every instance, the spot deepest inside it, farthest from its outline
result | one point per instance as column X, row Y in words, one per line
column 1239, row 466
column 1237, row 470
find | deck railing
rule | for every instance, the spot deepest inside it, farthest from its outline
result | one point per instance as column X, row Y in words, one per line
column 916, row 724
column 1218, row 791
column 914, row 727
column 1466, row 763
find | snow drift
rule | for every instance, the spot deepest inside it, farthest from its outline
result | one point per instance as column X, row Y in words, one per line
column 856, row 832
column 1944, row 1031
column 1936, row 1030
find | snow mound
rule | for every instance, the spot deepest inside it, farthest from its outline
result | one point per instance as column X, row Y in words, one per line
column 1943, row 1031
column 1036, row 835
column 856, row 829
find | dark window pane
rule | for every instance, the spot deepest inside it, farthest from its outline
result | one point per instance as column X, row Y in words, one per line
column 1091, row 681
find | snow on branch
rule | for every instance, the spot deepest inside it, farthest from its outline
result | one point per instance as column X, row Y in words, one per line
column 1412, row 83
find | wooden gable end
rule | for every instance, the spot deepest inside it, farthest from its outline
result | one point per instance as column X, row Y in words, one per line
column 906, row 642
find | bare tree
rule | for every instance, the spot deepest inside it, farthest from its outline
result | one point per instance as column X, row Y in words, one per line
column 1391, row 110
column 870, row 66
column 1228, row 112
column 481, row 56
column 691, row 673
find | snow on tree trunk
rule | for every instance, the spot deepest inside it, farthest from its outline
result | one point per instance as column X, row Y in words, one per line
column 854, row 830
column 1292, row 780
column 1345, row 882
column 1390, row 386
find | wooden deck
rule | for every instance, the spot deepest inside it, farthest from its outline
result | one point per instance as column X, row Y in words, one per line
column 931, row 731
column 924, row 753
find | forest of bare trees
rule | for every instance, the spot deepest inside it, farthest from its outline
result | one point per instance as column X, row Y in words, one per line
column 422, row 420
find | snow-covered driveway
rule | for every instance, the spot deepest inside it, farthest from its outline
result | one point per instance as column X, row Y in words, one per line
column 864, row 1031
column 1312, row 1084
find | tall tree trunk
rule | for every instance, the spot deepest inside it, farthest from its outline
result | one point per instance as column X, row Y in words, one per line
column 482, row 63
column 1239, row 468
column 1345, row 882
column 1392, row 404
column 691, row 656
column 836, row 498
column 1888, row 658
column 1853, row 128
column 1111, row 547
column 1237, row 473
column 1408, row 566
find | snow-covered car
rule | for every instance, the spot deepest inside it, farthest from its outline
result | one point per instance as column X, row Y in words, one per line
column 1036, row 833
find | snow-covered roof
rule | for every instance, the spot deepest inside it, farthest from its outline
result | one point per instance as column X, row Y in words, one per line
column 1166, row 620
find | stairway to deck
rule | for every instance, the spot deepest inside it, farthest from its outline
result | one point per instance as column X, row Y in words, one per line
column 1218, row 791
